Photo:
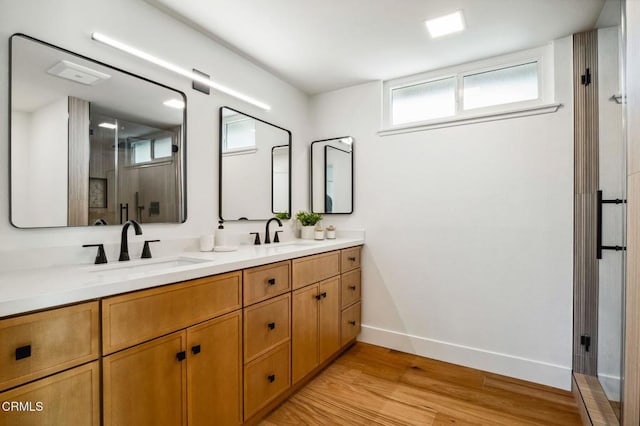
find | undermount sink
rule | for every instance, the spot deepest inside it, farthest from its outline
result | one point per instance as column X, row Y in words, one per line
column 300, row 243
column 151, row 265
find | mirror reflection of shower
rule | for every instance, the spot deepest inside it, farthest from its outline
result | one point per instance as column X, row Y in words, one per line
column 133, row 171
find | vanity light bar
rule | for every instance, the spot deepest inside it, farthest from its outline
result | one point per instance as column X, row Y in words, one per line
column 176, row 69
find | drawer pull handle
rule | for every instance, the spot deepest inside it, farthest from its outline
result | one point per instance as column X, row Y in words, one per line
column 271, row 325
column 352, row 287
column 352, row 323
column 271, row 378
column 195, row 349
column 271, row 281
column 181, row 356
column 352, row 258
column 23, row 352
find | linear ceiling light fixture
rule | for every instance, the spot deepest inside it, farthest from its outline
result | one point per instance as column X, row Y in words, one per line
column 176, row 69
column 444, row 25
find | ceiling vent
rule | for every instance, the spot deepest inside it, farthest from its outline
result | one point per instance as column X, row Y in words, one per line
column 78, row 73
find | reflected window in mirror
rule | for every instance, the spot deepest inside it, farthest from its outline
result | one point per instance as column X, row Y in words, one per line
column 332, row 176
column 91, row 143
column 255, row 167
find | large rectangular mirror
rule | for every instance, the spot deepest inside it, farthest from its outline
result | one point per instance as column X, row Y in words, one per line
column 255, row 167
column 91, row 144
column 332, row 176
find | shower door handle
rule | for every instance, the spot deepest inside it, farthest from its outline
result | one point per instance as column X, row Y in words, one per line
column 599, row 246
column 124, row 207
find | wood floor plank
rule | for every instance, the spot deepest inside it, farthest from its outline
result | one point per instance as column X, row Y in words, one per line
column 371, row 385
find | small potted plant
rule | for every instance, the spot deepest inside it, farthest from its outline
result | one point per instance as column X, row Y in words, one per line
column 308, row 222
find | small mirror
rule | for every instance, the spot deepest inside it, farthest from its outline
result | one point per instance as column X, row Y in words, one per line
column 255, row 167
column 91, row 144
column 332, row 176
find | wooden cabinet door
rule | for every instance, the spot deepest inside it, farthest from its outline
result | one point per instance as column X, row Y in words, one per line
column 214, row 371
column 146, row 384
column 329, row 318
column 304, row 331
column 70, row 398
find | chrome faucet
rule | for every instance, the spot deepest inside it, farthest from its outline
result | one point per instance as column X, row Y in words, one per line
column 124, row 242
column 267, row 238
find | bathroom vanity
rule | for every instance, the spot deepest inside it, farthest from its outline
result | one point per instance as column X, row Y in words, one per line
column 224, row 339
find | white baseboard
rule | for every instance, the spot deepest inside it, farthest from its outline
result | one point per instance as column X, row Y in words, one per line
column 611, row 386
column 494, row 362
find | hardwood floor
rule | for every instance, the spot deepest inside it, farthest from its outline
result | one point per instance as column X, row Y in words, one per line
column 371, row 385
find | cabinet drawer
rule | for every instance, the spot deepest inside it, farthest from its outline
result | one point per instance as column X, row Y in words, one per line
column 266, row 378
column 266, row 325
column 349, row 259
column 68, row 398
column 350, row 287
column 350, row 323
column 264, row 282
column 311, row 269
column 143, row 315
column 39, row 344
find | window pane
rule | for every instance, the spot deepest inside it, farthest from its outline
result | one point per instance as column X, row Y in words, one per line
column 240, row 134
column 162, row 148
column 503, row 86
column 141, row 151
column 424, row 101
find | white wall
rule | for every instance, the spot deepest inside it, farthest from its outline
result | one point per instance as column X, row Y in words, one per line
column 142, row 25
column 42, row 155
column 469, row 232
column 611, row 174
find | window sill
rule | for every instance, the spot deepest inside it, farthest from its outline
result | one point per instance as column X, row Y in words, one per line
column 461, row 121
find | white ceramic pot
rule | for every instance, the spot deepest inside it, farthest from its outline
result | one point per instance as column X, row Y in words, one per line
column 308, row 232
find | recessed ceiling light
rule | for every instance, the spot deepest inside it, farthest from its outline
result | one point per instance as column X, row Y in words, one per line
column 108, row 125
column 174, row 103
column 447, row 24
column 78, row 73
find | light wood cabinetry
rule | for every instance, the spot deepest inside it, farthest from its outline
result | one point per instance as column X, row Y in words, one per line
column 146, row 384
column 351, row 292
column 311, row 269
column 264, row 282
column 266, row 378
column 43, row 343
column 267, row 335
column 68, row 398
column 135, row 317
column 266, row 325
column 192, row 374
column 349, row 259
column 215, row 350
column 316, row 325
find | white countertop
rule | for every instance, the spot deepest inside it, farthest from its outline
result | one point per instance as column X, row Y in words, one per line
column 28, row 290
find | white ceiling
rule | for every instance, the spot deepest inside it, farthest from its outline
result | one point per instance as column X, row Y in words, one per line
column 324, row 45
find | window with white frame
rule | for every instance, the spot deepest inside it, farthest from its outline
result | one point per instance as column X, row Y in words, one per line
column 494, row 86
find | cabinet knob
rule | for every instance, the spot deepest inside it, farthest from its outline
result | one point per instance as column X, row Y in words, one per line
column 271, row 378
column 181, row 355
column 318, row 296
column 23, row 352
column 271, row 325
column 323, row 294
column 271, row 281
column 352, row 323
column 195, row 349
column 352, row 287
column 352, row 258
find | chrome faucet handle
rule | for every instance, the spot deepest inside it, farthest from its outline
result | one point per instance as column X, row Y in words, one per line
column 101, row 257
column 146, row 251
